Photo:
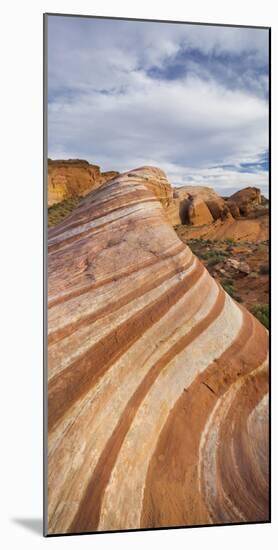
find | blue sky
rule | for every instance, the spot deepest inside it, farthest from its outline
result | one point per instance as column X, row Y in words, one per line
column 190, row 99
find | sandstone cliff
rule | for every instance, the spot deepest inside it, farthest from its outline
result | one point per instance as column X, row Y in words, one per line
column 73, row 178
column 158, row 380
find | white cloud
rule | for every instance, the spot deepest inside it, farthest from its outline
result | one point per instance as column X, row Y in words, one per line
column 106, row 107
column 224, row 181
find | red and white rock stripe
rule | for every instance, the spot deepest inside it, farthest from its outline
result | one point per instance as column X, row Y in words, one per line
column 157, row 379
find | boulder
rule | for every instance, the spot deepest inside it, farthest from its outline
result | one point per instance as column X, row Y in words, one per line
column 243, row 267
column 197, row 212
column 233, row 263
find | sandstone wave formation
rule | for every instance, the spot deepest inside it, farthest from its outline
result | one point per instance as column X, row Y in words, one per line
column 158, row 380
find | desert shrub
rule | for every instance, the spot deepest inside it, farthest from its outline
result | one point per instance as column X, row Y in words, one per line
column 214, row 257
column 228, row 282
column 213, row 261
column 224, row 253
column 229, row 289
column 202, row 255
column 216, row 254
column 260, row 245
column 261, row 311
column 232, row 292
column 58, row 212
column 264, row 269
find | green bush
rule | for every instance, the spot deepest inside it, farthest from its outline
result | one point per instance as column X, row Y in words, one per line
column 213, row 261
column 261, row 311
column 215, row 257
column 58, row 212
column 231, row 291
column 228, row 282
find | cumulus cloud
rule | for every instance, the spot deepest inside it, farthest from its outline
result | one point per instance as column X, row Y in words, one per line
column 190, row 99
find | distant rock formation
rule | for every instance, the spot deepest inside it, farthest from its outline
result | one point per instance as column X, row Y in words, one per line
column 197, row 211
column 234, row 209
column 73, row 178
column 192, row 205
column 197, row 205
column 158, row 380
column 247, row 199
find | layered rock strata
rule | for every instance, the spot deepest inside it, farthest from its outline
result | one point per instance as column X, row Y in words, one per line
column 158, row 380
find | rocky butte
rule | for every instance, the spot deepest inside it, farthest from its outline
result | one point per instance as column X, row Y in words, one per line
column 158, row 380
column 73, row 178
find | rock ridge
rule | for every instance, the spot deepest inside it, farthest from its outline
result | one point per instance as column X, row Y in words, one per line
column 157, row 379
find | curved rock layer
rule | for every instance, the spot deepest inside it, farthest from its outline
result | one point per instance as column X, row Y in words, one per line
column 158, row 381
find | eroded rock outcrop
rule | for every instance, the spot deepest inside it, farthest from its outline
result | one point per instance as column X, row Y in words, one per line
column 197, row 205
column 234, row 208
column 158, row 380
column 247, row 199
column 197, row 212
column 73, row 178
column 106, row 176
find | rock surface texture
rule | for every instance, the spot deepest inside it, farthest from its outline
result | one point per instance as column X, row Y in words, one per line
column 73, row 178
column 247, row 199
column 197, row 205
column 158, row 380
column 198, row 212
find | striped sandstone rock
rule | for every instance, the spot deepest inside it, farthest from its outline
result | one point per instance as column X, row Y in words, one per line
column 157, row 379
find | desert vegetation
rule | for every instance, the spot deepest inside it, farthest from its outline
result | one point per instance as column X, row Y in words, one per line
column 58, row 212
column 241, row 267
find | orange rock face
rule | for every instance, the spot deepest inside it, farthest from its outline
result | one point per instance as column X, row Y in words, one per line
column 197, row 205
column 247, row 199
column 198, row 212
column 106, row 176
column 234, row 209
column 72, row 178
column 157, row 379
